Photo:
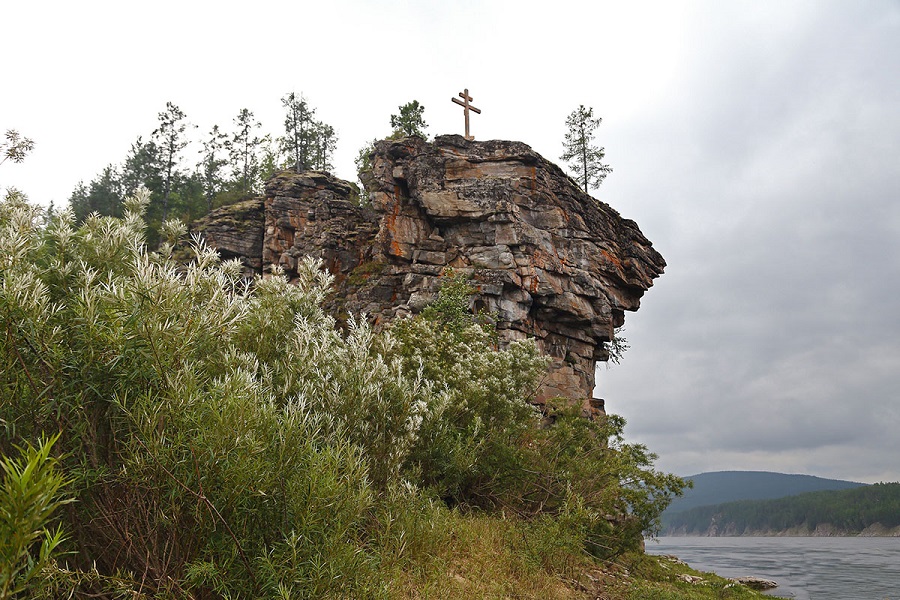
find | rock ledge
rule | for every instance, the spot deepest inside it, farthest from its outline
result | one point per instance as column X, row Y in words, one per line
column 549, row 261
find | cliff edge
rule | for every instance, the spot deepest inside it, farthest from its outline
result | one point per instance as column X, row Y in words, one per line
column 548, row 260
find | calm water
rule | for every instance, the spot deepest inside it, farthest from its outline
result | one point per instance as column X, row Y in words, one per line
column 804, row 568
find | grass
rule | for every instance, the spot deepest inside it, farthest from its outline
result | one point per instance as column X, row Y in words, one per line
column 438, row 553
column 663, row 578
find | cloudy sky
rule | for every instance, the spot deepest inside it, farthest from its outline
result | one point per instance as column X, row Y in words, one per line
column 756, row 143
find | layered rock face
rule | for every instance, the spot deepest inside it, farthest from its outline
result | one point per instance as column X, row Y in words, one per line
column 548, row 260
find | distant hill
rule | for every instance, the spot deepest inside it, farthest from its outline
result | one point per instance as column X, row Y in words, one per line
column 868, row 510
column 728, row 486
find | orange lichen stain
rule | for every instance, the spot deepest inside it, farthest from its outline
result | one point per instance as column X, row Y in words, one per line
column 562, row 261
column 390, row 223
column 542, row 259
column 612, row 258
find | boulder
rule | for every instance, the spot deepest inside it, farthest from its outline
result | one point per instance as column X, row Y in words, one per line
column 755, row 583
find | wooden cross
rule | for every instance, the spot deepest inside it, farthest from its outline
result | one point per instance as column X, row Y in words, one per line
column 466, row 98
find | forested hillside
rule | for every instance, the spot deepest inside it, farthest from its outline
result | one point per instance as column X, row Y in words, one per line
column 729, row 486
column 872, row 509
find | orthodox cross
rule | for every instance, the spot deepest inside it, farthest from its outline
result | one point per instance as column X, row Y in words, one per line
column 466, row 98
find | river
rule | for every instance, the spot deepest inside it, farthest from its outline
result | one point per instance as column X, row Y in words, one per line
column 805, row 568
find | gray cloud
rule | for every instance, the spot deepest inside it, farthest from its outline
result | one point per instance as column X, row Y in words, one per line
column 772, row 340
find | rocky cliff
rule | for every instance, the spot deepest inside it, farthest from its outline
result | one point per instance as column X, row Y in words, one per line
column 548, row 260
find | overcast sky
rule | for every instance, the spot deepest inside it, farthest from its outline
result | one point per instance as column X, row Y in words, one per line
column 757, row 144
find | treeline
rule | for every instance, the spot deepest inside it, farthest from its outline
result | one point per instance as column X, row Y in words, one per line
column 846, row 511
column 227, row 164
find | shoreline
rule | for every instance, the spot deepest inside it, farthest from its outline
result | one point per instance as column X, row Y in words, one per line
column 822, row 530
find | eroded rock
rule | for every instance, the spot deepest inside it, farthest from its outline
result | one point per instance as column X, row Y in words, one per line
column 548, row 260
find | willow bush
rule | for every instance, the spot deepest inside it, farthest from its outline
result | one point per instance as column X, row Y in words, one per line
column 225, row 439
column 29, row 495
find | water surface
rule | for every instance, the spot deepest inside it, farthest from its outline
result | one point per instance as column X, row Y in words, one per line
column 806, row 568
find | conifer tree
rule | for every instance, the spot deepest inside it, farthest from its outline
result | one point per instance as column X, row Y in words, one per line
column 243, row 150
column 142, row 168
column 103, row 196
column 299, row 132
column 409, row 121
column 584, row 158
column 171, row 140
column 326, row 140
column 211, row 163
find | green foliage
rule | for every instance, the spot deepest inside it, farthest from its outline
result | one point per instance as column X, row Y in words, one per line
column 585, row 159
column 363, row 162
column 484, row 443
column 210, row 167
column 585, row 466
column 243, row 152
column 410, row 121
column 230, row 166
column 617, row 347
column 15, row 147
column 171, row 140
column 178, row 434
column 307, row 143
column 470, row 433
column 663, row 578
column 228, row 439
column 850, row 511
column 103, row 196
column 29, row 496
column 297, row 141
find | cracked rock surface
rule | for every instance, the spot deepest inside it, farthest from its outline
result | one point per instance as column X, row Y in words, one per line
column 548, row 260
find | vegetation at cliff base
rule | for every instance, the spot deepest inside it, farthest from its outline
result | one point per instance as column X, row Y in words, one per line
column 225, row 438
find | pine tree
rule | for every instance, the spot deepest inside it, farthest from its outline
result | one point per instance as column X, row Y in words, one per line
column 171, row 139
column 299, row 134
column 243, row 150
column 142, row 168
column 583, row 157
column 103, row 196
column 409, row 121
column 326, row 140
column 211, row 163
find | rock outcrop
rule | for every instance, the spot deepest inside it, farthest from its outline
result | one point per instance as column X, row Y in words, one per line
column 548, row 260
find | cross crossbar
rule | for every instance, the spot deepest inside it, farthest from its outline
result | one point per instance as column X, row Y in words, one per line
column 466, row 98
